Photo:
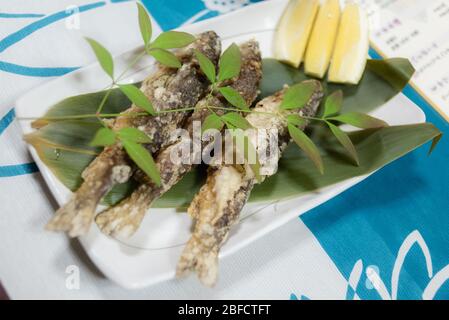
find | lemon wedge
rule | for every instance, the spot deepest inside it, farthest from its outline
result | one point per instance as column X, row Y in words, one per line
column 322, row 39
column 294, row 30
column 351, row 47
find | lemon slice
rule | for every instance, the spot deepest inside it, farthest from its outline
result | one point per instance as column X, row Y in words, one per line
column 351, row 47
column 322, row 39
column 294, row 30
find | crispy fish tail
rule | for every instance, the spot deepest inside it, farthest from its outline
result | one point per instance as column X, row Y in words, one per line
column 76, row 216
column 116, row 223
column 216, row 208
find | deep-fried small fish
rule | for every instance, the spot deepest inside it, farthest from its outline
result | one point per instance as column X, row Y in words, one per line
column 218, row 204
column 125, row 217
column 168, row 89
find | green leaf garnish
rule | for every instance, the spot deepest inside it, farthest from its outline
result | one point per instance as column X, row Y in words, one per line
column 296, row 120
column 212, row 121
column 360, row 120
column 307, row 145
column 104, row 137
column 345, row 141
column 103, row 57
column 298, row 95
column 133, row 135
column 206, row 66
column 165, row 57
column 137, row 97
column 143, row 159
column 230, row 63
column 236, row 120
column 333, row 104
column 144, row 25
column 172, row 40
column 234, row 97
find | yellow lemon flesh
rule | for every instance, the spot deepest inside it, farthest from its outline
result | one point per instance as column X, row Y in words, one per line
column 351, row 47
column 322, row 39
column 294, row 30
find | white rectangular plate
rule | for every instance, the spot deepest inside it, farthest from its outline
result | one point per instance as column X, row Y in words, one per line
column 151, row 255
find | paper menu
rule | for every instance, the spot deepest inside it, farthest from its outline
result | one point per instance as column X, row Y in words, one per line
column 418, row 30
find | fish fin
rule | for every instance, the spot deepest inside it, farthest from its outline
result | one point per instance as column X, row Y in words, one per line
column 125, row 218
column 74, row 217
column 199, row 258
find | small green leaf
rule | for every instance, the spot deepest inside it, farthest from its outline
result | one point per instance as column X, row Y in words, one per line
column 230, row 63
column 234, row 97
column 360, row 120
column 333, row 103
column 206, row 66
column 165, row 57
column 172, row 40
column 143, row 159
column 133, row 135
column 345, row 141
column 296, row 120
column 144, row 24
column 212, row 121
column 298, row 95
column 236, row 120
column 103, row 137
column 137, row 97
column 103, row 57
column 307, row 145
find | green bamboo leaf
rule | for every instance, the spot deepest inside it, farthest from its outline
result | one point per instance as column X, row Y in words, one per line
column 133, row 135
column 296, row 120
column 84, row 104
column 212, row 121
column 359, row 120
column 103, row 57
column 165, row 57
column 435, row 142
column 333, row 104
column 234, row 97
column 343, row 138
column 104, row 137
column 236, row 120
column 206, row 66
column 144, row 24
column 298, row 95
column 143, row 159
column 137, row 97
column 230, row 63
column 307, row 145
column 382, row 80
column 172, row 40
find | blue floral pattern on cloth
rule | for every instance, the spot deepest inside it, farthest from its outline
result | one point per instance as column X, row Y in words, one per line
column 175, row 13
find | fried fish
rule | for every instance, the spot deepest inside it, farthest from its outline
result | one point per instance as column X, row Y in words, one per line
column 124, row 218
column 168, row 89
column 217, row 206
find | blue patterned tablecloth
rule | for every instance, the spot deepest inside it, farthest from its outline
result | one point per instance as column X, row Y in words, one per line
column 388, row 237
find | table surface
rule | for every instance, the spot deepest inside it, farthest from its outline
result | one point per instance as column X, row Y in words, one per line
column 398, row 215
